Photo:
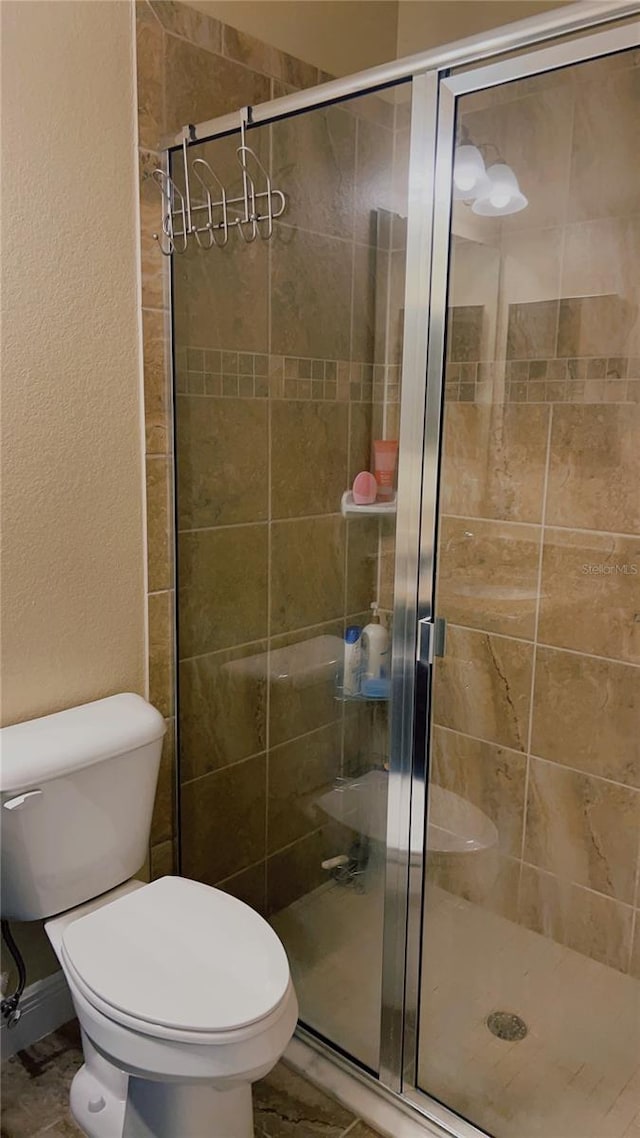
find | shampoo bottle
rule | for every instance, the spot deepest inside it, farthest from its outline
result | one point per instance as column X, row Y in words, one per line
column 375, row 651
column 352, row 660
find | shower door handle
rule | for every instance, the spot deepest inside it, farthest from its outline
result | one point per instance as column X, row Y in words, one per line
column 431, row 643
column 432, row 635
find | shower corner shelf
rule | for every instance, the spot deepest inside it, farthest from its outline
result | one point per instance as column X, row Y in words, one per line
column 379, row 509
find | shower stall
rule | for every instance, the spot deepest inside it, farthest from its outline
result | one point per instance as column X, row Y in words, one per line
column 444, row 251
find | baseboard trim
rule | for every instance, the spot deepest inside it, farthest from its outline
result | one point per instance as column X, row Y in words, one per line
column 45, row 1006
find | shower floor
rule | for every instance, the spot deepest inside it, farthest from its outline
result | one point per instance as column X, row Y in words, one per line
column 575, row 1075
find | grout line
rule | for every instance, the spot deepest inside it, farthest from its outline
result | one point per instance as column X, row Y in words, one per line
column 578, row 885
column 268, row 521
column 538, row 758
column 531, row 642
column 263, row 751
column 538, row 525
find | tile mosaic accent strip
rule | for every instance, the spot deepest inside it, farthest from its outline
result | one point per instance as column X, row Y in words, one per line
column 592, row 379
column 255, row 375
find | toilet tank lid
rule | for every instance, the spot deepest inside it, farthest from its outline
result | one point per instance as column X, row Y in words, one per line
column 53, row 745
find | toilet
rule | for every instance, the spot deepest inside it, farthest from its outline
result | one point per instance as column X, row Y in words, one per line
column 183, row 993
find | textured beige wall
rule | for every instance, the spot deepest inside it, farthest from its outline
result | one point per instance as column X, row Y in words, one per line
column 72, row 604
column 423, row 24
column 338, row 36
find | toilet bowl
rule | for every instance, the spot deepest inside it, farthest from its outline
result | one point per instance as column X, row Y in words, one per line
column 179, row 984
column 183, row 993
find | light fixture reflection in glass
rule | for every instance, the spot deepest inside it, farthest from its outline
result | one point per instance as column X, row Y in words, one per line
column 501, row 195
column 469, row 178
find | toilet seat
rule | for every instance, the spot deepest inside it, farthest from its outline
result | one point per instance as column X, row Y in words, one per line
column 179, row 960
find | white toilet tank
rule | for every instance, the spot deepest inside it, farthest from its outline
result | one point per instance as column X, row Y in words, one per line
column 77, row 790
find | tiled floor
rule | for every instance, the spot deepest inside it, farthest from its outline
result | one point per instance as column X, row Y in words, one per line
column 35, row 1092
column 575, row 1075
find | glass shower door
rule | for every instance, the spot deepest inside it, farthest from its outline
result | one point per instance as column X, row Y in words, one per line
column 287, row 354
column 529, row 1004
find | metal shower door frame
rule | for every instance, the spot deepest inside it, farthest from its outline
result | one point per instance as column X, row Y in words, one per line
column 435, row 95
column 432, row 139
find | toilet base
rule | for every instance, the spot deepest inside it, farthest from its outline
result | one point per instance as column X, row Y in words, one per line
column 108, row 1103
column 192, row 1110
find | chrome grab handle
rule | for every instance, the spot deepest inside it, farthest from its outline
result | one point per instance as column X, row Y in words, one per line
column 20, row 799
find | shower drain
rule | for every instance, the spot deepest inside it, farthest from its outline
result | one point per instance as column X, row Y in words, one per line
column 507, row 1025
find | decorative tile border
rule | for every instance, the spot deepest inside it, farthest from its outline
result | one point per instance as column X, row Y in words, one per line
column 251, row 375
column 582, row 380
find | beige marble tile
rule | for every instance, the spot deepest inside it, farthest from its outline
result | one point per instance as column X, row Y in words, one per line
column 223, row 588
column 362, row 564
column 157, row 400
column 296, row 870
column 162, row 860
column 189, row 23
column 363, row 316
column 254, row 53
column 373, row 179
column 210, row 296
column 163, row 821
column 531, row 264
column 583, row 829
column 488, row 575
column 307, row 572
column 160, row 608
column 360, row 439
column 491, row 777
column 310, row 274
column 159, row 524
column 200, row 85
column 482, row 687
column 299, row 704
column 590, row 593
column 594, row 468
column 223, row 708
column 299, row 773
column 532, row 330
column 597, row 326
column 308, row 457
column 601, row 258
column 223, row 821
column 249, row 886
column 605, row 132
column 154, row 267
column 494, row 461
column 587, row 922
column 150, row 77
column 222, row 461
column 585, row 715
column 634, row 967
column 314, row 158
column 487, row 879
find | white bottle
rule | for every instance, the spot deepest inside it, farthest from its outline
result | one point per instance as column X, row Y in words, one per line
column 375, row 649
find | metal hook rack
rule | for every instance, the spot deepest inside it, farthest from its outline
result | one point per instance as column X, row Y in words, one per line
column 210, row 218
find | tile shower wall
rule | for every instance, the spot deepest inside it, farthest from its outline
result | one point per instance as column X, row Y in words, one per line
column 537, row 699
column 281, row 372
column 189, row 67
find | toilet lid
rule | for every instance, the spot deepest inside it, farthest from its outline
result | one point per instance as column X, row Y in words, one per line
column 180, row 954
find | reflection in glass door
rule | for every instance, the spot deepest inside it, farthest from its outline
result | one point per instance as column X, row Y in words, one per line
column 287, row 354
column 529, row 1012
